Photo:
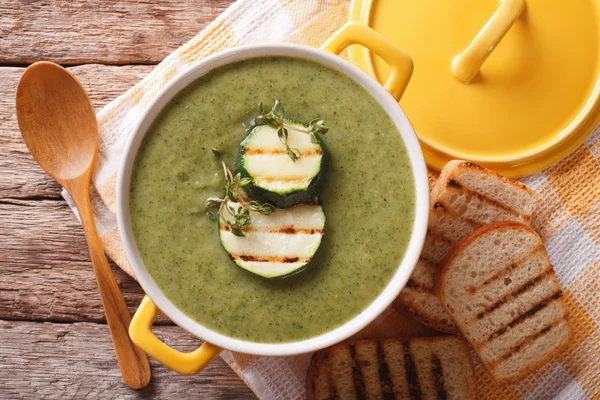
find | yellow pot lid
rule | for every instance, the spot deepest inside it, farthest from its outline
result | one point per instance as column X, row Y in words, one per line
column 529, row 105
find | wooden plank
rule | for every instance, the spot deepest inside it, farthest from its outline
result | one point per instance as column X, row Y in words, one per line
column 45, row 270
column 99, row 31
column 64, row 361
column 20, row 176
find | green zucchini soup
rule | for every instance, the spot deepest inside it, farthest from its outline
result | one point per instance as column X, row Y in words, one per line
column 366, row 201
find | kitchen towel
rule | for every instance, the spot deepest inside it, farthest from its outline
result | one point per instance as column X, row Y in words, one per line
column 568, row 217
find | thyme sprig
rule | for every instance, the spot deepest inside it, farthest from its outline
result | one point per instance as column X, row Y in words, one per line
column 275, row 117
column 236, row 217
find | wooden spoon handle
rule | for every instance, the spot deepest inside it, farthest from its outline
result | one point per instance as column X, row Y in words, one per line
column 133, row 362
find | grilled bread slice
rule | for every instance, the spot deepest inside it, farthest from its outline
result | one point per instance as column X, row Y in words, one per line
column 464, row 198
column 428, row 368
column 500, row 288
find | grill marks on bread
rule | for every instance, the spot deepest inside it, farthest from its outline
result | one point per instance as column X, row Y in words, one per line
column 385, row 380
column 501, row 289
column 464, row 198
column 504, row 272
column 357, row 376
column 412, row 379
column 438, row 376
column 528, row 286
column 473, row 205
column 419, row 368
column 513, row 350
column 422, row 278
column 525, row 316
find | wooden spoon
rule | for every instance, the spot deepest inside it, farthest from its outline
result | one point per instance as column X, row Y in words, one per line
column 59, row 126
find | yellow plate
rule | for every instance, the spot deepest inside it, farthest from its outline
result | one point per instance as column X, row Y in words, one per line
column 535, row 99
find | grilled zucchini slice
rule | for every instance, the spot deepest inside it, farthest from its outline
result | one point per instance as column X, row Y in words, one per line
column 276, row 245
column 276, row 178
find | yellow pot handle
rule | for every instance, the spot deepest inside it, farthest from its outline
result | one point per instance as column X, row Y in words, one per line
column 467, row 64
column 140, row 331
column 400, row 63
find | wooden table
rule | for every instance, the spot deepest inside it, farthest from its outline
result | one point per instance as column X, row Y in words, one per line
column 53, row 339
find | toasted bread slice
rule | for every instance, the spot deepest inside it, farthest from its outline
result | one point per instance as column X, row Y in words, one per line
column 501, row 290
column 464, row 198
column 429, row 368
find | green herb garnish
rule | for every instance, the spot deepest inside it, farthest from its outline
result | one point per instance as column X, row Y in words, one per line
column 236, row 217
column 276, row 119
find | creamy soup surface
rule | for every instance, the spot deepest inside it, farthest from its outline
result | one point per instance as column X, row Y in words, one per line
column 368, row 199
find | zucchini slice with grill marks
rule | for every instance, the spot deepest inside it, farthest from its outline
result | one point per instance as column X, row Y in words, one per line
column 276, row 245
column 276, row 178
